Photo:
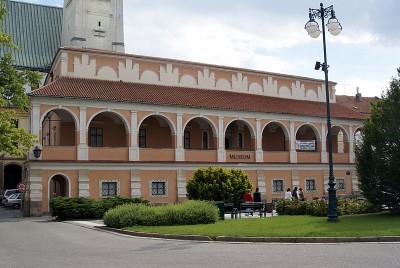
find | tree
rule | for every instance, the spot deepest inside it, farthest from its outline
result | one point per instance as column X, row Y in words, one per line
column 378, row 151
column 218, row 184
column 13, row 140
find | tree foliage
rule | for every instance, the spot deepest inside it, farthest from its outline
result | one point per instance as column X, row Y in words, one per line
column 378, row 152
column 218, row 184
column 13, row 140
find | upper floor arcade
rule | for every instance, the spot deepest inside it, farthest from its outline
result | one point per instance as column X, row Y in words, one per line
column 92, row 133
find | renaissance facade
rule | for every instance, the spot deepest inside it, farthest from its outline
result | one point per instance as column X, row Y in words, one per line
column 110, row 123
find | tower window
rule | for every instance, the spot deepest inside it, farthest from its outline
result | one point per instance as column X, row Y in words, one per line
column 99, row 23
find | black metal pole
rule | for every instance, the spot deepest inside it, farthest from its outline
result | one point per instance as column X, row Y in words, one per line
column 332, row 205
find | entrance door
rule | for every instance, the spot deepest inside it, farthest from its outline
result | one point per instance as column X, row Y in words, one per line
column 12, row 176
column 58, row 186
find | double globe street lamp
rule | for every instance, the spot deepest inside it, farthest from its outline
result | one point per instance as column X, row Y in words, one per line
column 313, row 30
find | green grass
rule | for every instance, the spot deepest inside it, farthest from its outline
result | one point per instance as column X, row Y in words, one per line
column 381, row 224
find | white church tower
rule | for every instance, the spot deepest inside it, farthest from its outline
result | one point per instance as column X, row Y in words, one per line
column 96, row 24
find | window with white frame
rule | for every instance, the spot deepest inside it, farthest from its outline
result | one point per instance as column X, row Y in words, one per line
column 340, row 186
column 311, row 185
column 109, row 188
column 277, row 186
column 158, row 188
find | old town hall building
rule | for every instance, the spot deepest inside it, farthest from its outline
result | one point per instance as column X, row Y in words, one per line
column 110, row 123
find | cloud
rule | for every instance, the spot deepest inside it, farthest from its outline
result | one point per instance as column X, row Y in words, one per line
column 367, row 88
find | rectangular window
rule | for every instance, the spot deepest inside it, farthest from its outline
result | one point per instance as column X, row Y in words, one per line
column 158, row 188
column 311, row 185
column 277, row 186
column 96, row 137
column 142, row 138
column 108, row 188
column 340, row 184
column 187, row 139
column 240, row 141
column 205, row 140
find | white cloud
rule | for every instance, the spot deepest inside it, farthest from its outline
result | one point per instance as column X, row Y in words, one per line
column 367, row 88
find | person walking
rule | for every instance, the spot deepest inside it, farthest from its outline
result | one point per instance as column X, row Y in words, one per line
column 288, row 194
column 248, row 199
column 301, row 194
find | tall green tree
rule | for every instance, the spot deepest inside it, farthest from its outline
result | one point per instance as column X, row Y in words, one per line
column 13, row 140
column 378, row 151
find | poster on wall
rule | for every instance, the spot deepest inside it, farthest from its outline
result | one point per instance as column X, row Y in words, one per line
column 305, row 145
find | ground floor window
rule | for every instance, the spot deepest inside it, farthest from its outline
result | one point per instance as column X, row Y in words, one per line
column 340, row 184
column 158, row 188
column 109, row 188
column 311, row 185
column 277, row 186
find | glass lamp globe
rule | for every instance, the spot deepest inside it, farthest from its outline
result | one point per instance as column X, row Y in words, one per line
column 336, row 31
column 315, row 34
column 311, row 27
column 332, row 24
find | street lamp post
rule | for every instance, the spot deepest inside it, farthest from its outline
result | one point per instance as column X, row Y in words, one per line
column 334, row 28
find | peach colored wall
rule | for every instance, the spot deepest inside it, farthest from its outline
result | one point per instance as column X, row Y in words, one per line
column 285, row 175
column 149, row 66
column 200, row 155
column 183, row 70
column 68, row 133
column 240, row 156
column 58, row 153
column 223, row 75
column 105, row 61
column 170, row 175
column 308, row 157
column 156, row 154
column 114, row 135
column 276, row 157
column 340, row 158
column 254, row 79
column 157, row 136
column 310, row 174
column 107, row 153
column 123, row 176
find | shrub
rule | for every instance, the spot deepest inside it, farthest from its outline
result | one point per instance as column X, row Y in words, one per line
column 65, row 208
column 218, row 184
column 186, row 213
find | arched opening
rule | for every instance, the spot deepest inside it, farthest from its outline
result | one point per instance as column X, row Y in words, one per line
column 307, row 139
column 274, row 138
column 107, row 130
column 340, row 141
column 238, row 136
column 12, row 176
column 58, row 129
column 155, row 133
column 199, row 134
column 58, row 186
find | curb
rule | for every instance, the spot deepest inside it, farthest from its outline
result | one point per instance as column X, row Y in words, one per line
column 291, row 240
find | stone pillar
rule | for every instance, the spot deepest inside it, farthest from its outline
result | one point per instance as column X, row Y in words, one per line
column 35, row 193
column 133, row 148
column 221, row 141
column 293, row 152
column 295, row 179
column 181, row 184
column 325, row 174
column 83, row 183
column 354, row 182
column 351, row 146
column 261, row 184
column 136, row 185
column 179, row 151
column 259, row 151
column 83, row 153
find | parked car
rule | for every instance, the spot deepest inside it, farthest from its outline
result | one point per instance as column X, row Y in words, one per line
column 14, row 201
column 7, row 193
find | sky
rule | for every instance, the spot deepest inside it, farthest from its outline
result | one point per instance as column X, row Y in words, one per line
column 270, row 36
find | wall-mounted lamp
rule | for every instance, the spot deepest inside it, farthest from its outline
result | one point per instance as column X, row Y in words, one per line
column 37, row 152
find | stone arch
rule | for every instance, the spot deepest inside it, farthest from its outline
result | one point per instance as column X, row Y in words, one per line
column 188, row 80
column 275, row 137
column 223, row 84
column 311, row 95
column 108, row 73
column 12, row 175
column 239, row 135
column 255, row 88
column 58, row 185
column 58, row 127
column 308, row 132
column 153, row 126
column 199, row 124
column 340, row 140
column 149, row 77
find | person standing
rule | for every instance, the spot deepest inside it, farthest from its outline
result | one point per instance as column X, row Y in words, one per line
column 295, row 194
column 288, row 194
column 248, row 199
column 257, row 195
column 301, row 194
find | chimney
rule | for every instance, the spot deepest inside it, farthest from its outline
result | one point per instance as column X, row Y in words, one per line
column 358, row 95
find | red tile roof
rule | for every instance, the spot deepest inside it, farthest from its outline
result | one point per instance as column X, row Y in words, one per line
column 78, row 88
column 362, row 106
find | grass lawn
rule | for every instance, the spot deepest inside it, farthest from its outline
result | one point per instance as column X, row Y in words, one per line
column 381, row 224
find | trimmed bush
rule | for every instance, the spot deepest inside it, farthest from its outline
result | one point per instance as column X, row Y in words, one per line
column 65, row 208
column 218, row 184
column 186, row 213
column 346, row 206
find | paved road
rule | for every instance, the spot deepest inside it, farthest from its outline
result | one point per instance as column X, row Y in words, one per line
column 42, row 242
